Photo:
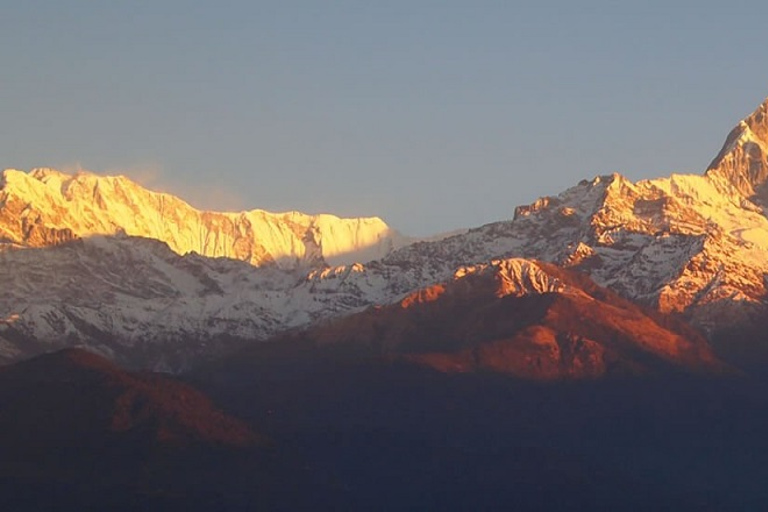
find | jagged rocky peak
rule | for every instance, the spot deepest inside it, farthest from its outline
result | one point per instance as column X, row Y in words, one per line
column 743, row 161
column 46, row 207
column 509, row 277
column 513, row 276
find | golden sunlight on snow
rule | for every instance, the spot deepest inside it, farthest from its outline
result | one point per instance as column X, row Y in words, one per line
column 47, row 207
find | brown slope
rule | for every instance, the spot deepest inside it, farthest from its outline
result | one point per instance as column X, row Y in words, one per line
column 518, row 317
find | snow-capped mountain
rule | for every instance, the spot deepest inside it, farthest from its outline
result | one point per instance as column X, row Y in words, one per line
column 73, row 270
column 136, row 301
column 140, row 275
column 694, row 244
column 45, row 207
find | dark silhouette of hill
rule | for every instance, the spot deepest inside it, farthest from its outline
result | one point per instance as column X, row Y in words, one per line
column 76, row 396
column 76, row 432
column 399, row 435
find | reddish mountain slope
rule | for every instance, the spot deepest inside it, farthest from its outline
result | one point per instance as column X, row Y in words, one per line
column 519, row 317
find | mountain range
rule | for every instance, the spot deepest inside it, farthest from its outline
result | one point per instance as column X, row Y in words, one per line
column 603, row 349
column 149, row 281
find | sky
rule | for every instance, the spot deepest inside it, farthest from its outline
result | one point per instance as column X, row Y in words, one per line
column 432, row 115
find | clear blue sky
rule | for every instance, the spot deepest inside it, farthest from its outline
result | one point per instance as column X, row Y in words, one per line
column 432, row 115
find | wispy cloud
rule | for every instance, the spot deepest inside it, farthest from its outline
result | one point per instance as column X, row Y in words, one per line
column 149, row 174
column 201, row 195
column 212, row 197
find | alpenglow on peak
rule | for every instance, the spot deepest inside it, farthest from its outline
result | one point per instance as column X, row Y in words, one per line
column 45, row 207
column 743, row 160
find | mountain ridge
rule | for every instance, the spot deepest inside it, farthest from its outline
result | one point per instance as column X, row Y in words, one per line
column 528, row 319
column 45, row 207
